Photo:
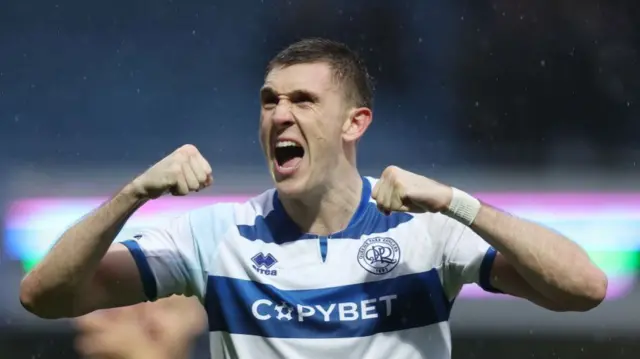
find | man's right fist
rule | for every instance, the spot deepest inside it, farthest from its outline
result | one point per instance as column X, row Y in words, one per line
column 183, row 171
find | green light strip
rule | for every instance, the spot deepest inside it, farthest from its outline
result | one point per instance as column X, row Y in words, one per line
column 28, row 264
column 616, row 262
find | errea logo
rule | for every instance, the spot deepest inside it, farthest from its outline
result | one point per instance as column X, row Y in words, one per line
column 263, row 263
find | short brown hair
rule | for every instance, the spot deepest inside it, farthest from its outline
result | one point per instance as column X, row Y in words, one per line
column 347, row 66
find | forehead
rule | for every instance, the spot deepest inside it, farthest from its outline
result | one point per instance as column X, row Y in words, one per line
column 314, row 77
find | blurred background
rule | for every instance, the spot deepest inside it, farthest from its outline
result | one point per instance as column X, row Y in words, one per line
column 532, row 105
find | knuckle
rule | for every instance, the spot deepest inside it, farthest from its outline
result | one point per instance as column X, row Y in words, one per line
column 180, row 157
column 389, row 171
column 188, row 150
column 392, row 169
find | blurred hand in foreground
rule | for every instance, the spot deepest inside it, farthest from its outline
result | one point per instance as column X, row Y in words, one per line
column 160, row 330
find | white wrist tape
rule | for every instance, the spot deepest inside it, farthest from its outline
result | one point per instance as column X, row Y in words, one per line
column 463, row 207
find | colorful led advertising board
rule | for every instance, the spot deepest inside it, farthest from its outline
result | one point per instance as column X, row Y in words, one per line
column 606, row 225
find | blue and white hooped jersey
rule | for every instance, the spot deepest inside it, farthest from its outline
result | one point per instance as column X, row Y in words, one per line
column 381, row 288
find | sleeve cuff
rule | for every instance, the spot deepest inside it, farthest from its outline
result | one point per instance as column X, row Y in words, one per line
column 485, row 271
column 146, row 275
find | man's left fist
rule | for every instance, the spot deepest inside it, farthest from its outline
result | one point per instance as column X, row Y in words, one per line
column 398, row 190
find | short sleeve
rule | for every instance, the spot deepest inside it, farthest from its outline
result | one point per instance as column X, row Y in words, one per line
column 174, row 258
column 467, row 257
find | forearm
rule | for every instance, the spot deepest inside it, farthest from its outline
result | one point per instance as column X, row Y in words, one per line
column 71, row 264
column 553, row 265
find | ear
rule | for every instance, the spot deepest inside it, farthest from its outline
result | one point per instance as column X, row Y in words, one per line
column 356, row 124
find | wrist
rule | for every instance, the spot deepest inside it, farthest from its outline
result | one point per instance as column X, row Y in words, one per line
column 133, row 195
column 463, row 207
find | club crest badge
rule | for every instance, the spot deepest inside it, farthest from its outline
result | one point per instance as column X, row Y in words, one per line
column 379, row 255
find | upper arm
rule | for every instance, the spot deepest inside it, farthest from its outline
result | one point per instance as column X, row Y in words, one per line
column 116, row 283
column 470, row 259
column 175, row 259
column 466, row 257
column 155, row 263
column 166, row 259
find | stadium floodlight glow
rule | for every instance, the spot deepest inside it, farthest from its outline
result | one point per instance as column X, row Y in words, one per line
column 606, row 225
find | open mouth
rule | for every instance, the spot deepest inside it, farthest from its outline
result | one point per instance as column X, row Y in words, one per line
column 288, row 154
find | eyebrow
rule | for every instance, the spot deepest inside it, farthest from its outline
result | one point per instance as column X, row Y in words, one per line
column 269, row 91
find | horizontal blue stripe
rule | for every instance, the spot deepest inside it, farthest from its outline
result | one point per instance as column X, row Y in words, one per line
column 146, row 275
column 246, row 307
column 485, row 271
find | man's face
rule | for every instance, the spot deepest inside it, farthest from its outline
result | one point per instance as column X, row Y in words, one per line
column 302, row 114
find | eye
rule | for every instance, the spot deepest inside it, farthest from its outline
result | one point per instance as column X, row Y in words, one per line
column 303, row 99
column 269, row 101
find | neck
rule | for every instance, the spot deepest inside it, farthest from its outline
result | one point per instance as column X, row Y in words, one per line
column 329, row 210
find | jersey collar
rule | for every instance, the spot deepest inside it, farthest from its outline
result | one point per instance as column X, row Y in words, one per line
column 287, row 230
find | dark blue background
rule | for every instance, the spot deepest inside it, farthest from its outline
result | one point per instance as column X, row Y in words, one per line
column 497, row 95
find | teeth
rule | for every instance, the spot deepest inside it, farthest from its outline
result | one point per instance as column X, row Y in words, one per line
column 286, row 144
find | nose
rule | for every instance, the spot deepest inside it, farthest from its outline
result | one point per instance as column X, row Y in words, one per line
column 282, row 115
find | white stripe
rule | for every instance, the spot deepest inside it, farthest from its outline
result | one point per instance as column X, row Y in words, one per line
column 430, row 342
column 300, row 267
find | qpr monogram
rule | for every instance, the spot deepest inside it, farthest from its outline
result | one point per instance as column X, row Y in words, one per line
column 379, row 255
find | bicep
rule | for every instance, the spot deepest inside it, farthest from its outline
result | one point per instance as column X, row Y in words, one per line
column 116, row 282
column 505, row 278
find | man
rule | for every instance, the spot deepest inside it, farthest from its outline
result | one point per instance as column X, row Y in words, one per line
column 160, row 330
column 327, row 264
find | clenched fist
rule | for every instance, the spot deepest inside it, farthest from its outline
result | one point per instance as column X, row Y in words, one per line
column 181, row 172
column 402, row 191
